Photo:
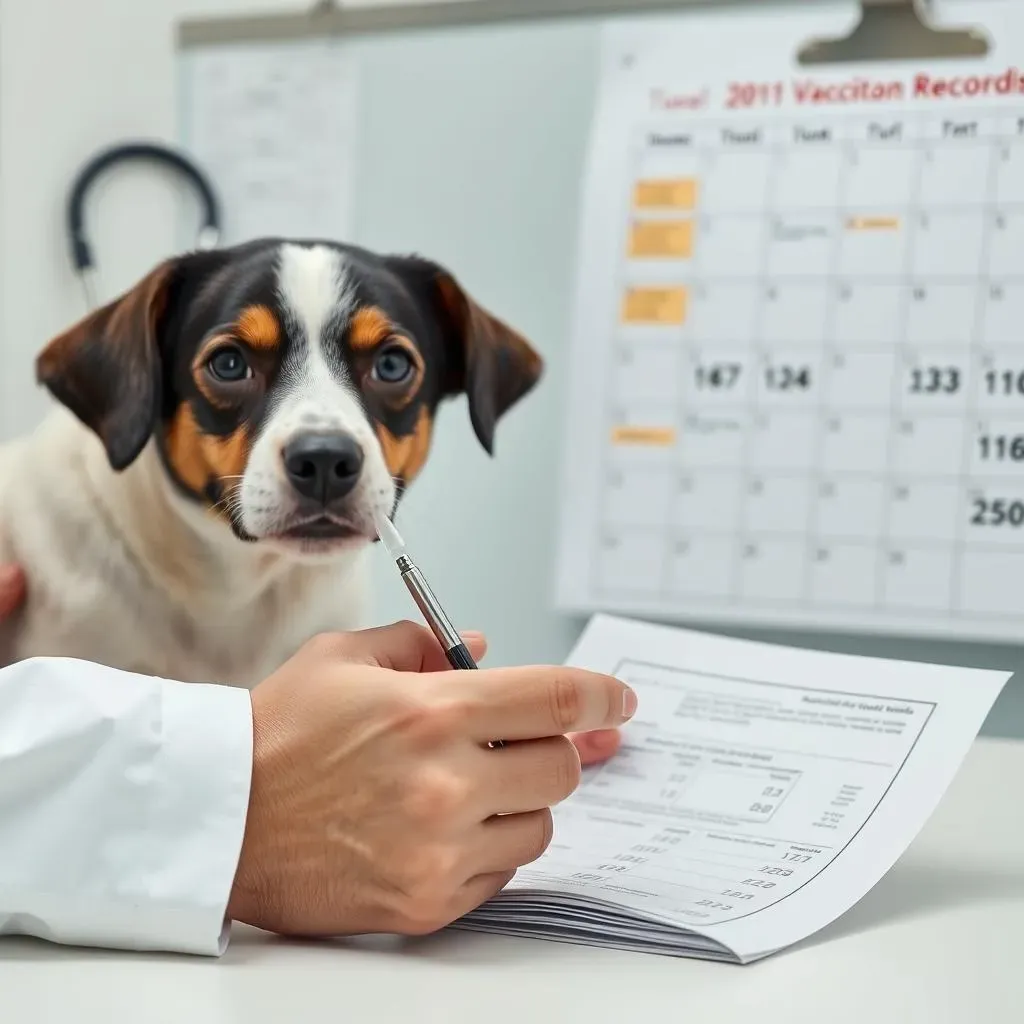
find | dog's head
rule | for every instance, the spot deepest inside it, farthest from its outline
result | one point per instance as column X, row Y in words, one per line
column 289, row 387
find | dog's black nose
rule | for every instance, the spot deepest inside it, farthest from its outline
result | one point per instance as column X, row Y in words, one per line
column 323, row 467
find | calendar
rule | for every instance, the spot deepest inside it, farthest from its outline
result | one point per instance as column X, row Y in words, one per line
column 796, row 385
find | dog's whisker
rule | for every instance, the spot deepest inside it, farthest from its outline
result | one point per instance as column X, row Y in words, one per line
column 230, row 503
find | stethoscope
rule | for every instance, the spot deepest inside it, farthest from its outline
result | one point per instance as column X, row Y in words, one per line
column 81, row 250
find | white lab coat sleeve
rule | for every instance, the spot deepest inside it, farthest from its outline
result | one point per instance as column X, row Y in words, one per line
column 122, row 806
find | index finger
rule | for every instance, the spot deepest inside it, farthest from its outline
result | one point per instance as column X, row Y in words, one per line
column 404, row 647
column 538, row 702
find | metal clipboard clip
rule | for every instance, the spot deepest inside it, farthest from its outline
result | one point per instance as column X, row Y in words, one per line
column 895, row 30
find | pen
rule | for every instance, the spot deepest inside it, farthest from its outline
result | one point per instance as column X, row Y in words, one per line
column 440, row 625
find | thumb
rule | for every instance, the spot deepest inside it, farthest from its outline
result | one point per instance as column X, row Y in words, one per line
column 406, row 647
column 12, row 589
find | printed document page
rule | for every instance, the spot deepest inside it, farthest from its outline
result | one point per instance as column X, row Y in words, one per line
column 760, row 793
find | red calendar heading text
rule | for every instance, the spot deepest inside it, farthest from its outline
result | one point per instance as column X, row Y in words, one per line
column 810, row 92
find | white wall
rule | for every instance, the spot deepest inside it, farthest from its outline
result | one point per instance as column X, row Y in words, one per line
column 76, row 75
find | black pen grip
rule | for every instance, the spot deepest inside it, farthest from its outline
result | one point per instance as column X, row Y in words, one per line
column 459, row 657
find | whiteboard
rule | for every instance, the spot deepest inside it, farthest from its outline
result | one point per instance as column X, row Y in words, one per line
column 472, row 144
column 276, row 128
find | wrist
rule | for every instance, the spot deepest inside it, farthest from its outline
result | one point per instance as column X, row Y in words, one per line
column 247, row 899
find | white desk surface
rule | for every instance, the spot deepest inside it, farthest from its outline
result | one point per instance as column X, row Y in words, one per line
column 939, row 940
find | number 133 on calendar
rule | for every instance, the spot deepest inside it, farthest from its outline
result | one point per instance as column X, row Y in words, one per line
column 797, row 387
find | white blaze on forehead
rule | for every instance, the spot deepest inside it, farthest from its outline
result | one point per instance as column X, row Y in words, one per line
column 315, row 290
column 317, row 299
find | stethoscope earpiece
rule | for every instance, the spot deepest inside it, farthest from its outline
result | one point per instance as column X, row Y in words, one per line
column 81, row 251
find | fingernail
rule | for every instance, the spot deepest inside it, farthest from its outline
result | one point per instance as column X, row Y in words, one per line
column 469, row 635
column 629, row 703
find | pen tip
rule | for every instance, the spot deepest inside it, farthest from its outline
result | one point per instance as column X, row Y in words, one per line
column 389, row 535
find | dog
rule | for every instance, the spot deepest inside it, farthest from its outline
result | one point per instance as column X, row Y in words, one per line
column 199, row 503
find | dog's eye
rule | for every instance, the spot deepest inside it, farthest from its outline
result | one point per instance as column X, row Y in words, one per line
column 229, row 365
column 393, row 365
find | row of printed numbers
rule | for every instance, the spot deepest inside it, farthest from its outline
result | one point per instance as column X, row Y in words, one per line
column 922, row 380
column 726, row 376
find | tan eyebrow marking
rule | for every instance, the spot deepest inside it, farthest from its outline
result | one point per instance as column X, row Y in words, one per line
column 259, row 327
column 370, row 326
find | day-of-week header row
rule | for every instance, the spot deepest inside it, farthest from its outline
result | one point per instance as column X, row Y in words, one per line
column 877, row 131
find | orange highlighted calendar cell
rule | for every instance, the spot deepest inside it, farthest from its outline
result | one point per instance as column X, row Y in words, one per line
column 656, row 437
column 670, row 239
column 873, row 224
column 662, row 307
column 665, row 194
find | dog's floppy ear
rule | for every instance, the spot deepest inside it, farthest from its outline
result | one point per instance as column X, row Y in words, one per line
column 485, row 358
column 106, row 369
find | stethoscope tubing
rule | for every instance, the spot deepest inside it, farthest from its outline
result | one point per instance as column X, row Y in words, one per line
column 82, row 256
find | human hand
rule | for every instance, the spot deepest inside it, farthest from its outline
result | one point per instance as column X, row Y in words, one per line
column 12, row 590
column 375, row 800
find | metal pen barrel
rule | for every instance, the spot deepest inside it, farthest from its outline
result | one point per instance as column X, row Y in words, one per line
column 447, row 635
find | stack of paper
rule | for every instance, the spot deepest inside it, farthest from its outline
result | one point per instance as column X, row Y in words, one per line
column 760, row 793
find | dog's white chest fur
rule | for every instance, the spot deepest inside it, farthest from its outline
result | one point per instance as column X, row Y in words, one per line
column 124, row 572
